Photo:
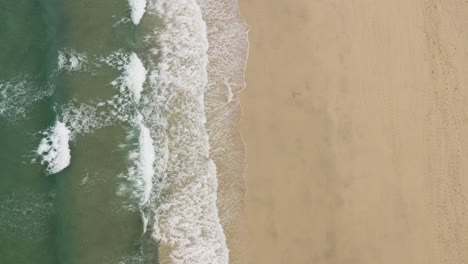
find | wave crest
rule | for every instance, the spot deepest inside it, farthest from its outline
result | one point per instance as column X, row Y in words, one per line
column 54, row 149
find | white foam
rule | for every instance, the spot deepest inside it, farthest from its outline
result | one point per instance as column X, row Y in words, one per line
column 84, row 118
column 186, row 220
column 140, row 172
column 135, row 76
column 144, row 221
column 137, row 8
column 71, row 60
column 54, row 149
column 146, row 161
column 228, row 40
column 18, row 95
column 11, row 92
column 124, row 107
column 87, row 117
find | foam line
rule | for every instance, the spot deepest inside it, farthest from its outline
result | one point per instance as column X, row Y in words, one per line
column 146, row 161
column 186, row 221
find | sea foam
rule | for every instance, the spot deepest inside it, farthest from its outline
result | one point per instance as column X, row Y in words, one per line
column 146, row 161
column 84, row 118
column 71, row 60
column 130, row 82
column 137, row 8
column 133, row 78
column 54, row 149
column 140, row 172
column 14, row 96
column 19, row 94
column 186, row 221
column 228, row 41
column 125, row 107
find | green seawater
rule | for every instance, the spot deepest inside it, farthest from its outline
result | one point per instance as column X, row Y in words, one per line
column 74, row 216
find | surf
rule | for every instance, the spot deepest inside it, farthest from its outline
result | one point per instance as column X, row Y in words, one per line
column 168, row 99
column 54, row 148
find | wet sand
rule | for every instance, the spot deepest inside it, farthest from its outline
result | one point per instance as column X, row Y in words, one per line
column 355, row 121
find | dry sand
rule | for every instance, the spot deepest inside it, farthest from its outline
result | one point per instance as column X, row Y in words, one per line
column 356, row 125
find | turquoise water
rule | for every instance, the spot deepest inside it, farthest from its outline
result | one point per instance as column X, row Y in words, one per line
column 115, row 130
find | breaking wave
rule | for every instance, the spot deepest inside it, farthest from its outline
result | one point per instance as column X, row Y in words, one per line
column 54, row 148
column 177, row 101
column 137, row 8
column 194, row 73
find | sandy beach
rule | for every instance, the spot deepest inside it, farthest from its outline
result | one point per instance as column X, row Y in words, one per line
column 355, row 121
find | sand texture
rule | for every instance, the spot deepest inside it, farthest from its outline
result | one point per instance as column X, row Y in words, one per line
column 356, row 126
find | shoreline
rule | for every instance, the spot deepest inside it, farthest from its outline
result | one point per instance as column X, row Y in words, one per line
column 226, row 69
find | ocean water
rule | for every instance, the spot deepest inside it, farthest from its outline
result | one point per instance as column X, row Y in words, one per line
column 118, row 139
